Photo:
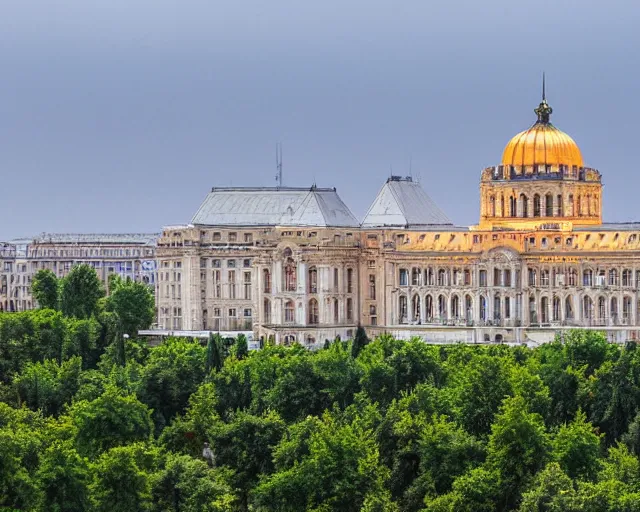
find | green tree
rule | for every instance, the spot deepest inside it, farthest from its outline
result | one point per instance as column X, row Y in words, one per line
column 214, row 353
column 113, row 419
column 552, row 491
column 241, row 347
column 577, row 448
column 63, row 479
column 122, row 480
column 48, row 385
column 173, row 371
column 186, row 484
column 44, row 289
column 134, row 304
column 518, row 448
column 359, row 341
column 245, row 445
column 80, row 292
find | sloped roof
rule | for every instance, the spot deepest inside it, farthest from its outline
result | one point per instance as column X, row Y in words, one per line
column 268, row 206
column 403, row 203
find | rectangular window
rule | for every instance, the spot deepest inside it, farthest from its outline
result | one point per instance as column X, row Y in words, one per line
column 247, row 285
column 216, row 284
column 233, row 237
column 248, row 238
column 232, row 284
column 217, row 236
column 246, row 263
column 372, row 286
column 216, row 263
column 349, row 280
column 404, row 277
column 349, row 309
column 231, row 263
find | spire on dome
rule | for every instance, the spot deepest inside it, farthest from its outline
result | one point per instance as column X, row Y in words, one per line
column 544, row 110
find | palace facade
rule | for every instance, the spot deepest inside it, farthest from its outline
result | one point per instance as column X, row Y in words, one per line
column 294, row 264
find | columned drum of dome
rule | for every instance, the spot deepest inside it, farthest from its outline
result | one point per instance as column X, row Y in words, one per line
column 541, row 182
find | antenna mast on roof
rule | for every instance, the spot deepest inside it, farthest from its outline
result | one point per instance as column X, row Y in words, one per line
column 279, row 164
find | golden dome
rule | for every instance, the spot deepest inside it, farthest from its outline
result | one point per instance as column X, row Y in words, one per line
column 542, row 144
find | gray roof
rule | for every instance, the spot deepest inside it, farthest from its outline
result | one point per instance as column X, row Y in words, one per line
column 97, row 238
column 403, row 203
column 268, row 206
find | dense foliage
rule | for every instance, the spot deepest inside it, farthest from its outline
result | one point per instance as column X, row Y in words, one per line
column 376, row 425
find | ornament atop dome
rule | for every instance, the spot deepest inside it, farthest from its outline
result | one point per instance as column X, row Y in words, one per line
column 544, row 110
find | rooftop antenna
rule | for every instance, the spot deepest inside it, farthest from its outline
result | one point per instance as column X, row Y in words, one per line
column 411, row 166
column 544, row 95
column 279, row 164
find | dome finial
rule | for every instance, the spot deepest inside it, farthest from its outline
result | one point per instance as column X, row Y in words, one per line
column 544, row 110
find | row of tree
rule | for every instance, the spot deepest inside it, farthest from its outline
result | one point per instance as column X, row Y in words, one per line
column 89, row 422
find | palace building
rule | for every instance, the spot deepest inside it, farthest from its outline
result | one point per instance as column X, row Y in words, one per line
column 294, row 264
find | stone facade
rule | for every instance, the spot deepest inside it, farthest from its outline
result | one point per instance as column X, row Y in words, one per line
column 128, row 255
column 539, row 261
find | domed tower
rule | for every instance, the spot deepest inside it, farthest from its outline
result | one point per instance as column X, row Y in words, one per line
column 541, row 182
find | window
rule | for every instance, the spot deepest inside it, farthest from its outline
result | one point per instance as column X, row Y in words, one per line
column 349, row 280
column 336, row 311
column 415, row 276
column 232, row 284
column 246, row 263
column 290, row 274
column 232, row 312
column 371, row 263
column 266, row 308
column 587, row 278
column 248, row 238
column 216, row 263
column 216, row 284
column 247, row 313
column 266, row 280
column 335, row 279
column 203, row 263
column 532, row 277
column 313, row 312
column 231, row 263
column 507, row 277
column 247, row 285
column 233, row 237
column 349, row 309
column 289, row 311
column 313, row 280
column 544, row 278
column 372, row 287
column 404, row 277
column 627, row 279
column 483, row 278
column 217, row 236
column 613, row 277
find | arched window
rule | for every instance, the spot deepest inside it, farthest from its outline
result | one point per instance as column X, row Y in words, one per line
column 536, row 205
column 415, row 308
column 613, row 309
column 544, row 310
column 442, row 307
column 428, row 300
column 455, row 307
column 266, row 309
column 289, row 311
column 548, row 202
column 266, row 280
column 568, row 308
column 442, row 278
column 483, row 308
column 559, row 206
column 468, row 308
column 313, row 280
column 572, row 211
column 290, row 276
column 626, row 309
column 402, row 308
column 313, row 312
column 602, row 308
column 513, row 212
column 556, row 309
column 524, row 205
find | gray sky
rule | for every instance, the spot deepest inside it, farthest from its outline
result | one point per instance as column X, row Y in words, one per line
column 119, row 115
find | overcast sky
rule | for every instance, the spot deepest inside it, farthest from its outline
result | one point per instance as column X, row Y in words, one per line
column 120, row 115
